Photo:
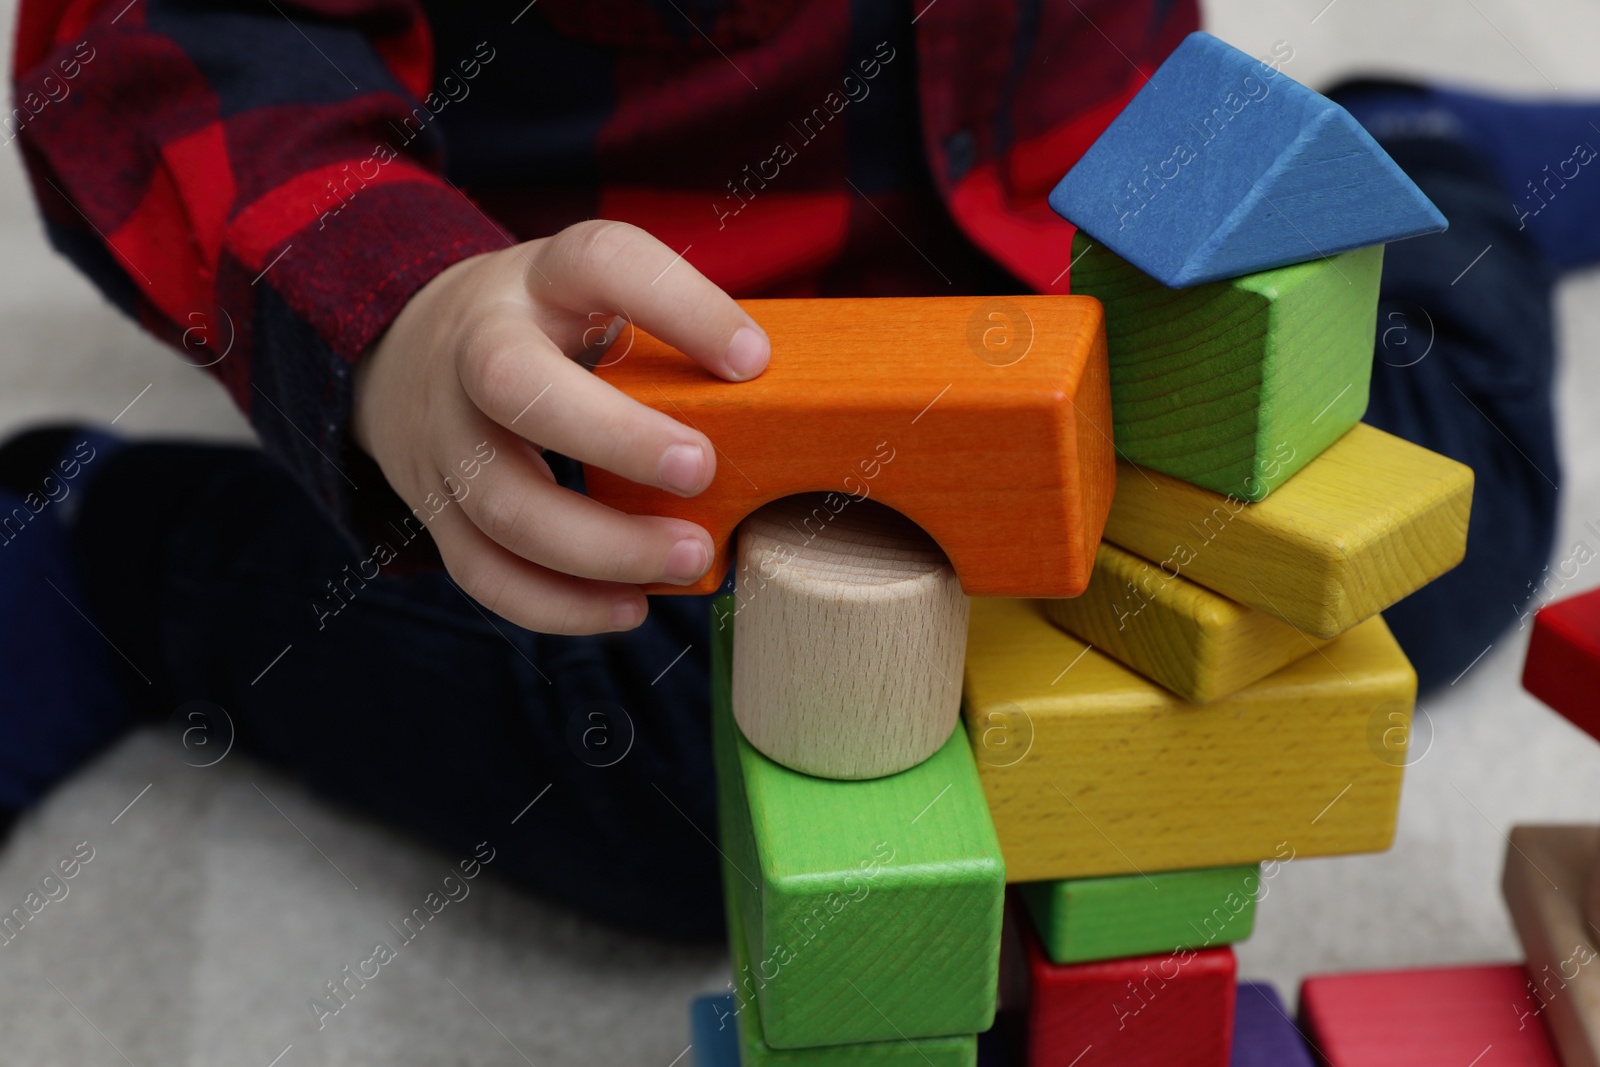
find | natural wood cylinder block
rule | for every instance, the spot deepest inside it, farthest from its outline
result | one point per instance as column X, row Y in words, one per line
column 850, row 638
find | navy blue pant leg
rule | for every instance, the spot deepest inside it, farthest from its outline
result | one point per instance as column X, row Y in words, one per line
column 410, row 702
column 1465, row 363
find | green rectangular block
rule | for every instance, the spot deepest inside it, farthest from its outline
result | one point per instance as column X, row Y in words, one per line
column 1235, row 385
column 1084, row 919
column 957, row 1051
column 871, row 909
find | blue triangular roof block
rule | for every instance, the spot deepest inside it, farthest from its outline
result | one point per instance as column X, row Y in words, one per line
column 1222, row 165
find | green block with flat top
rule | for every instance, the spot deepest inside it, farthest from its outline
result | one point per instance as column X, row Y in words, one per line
column 1235, row 385
column 1085, row 919
column 871, row 909
column 957, row 1051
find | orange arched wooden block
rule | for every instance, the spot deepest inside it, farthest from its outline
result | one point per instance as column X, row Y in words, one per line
column 984, row 420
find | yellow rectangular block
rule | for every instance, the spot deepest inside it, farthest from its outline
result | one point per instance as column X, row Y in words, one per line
column 1090, row 769
column 1197, row 643
column 1367, row 522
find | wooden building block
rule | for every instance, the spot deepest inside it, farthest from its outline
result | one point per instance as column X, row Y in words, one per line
column 1084, row 919
column 1546, row 870
column 720, row 1035
column 1263, row 1033
column 848, row 663
column 1222, row 165
column 1197, row 643
column 958, row 1050
column 872, row 909
column 1168, row 1010
column 1366, row 523
column 1563, row 664
column 986, row 421
column 714, row 1031
column 1591, row 897
column 1437, row 1017
column 1091, row 770
column 1562, row 669
column 1235, row 385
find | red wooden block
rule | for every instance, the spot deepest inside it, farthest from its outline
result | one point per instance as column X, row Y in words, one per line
column 986, row 421
column 1563, row 664
column 1478, row 1016
column 1169, row 1010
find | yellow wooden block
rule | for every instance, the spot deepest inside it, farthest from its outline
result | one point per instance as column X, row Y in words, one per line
column 1197, row 643
column 1090, row 769
column 1367, row 522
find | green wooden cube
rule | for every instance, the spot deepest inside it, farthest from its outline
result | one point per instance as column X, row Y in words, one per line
column 1235, row 385
column 1084, row 919
column 958, row 1051
column 872, row 908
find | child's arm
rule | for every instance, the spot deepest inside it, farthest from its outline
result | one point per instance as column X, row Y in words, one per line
column 483, row 353
column 272, row 218
column 259, row 186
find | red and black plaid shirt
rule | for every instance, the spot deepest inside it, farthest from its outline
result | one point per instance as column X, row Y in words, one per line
column 264, row 183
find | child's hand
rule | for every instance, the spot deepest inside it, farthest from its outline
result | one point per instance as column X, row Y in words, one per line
column 485, row 352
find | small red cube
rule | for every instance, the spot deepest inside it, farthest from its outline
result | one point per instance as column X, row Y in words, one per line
column 1174, row 1009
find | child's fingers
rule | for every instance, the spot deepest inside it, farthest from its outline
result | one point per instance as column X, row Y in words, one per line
column 517, row 377
column 517, row 504
column 620, row 269
column 524, row 593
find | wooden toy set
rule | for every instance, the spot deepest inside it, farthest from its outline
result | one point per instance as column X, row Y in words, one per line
column 1176, row 538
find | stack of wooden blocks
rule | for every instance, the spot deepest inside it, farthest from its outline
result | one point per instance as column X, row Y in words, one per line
column 1224, row 698
column 1169, row 692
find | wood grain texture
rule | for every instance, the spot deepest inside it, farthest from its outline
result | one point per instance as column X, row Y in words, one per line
column 1222, row 165
column 959, row 1050
column 1235, row 385
column 1168, row 1010
column 985, row 420
column 1563, row 662
column 1263, row 1033
column 1434, row 1017
column 872, row 909
column 851, row 636
column 1369, row 521
column 724, row 1034
column 1083, row 919
column 1547, row 868
column 1091, row 769
column 1197, row 643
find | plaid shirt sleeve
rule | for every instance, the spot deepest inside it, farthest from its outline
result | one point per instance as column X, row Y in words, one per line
column 259, row 185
